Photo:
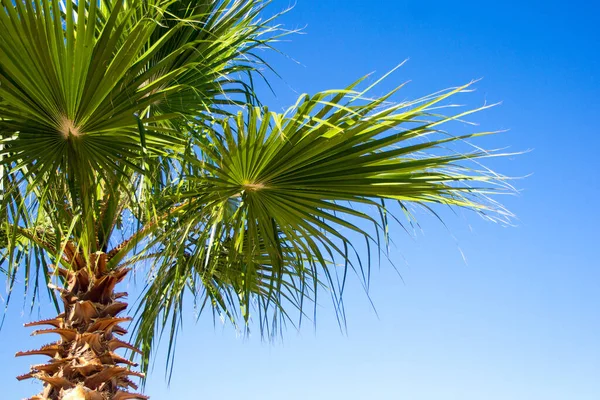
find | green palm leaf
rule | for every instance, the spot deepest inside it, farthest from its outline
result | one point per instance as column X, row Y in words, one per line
column 91, row 100
column 274, row 200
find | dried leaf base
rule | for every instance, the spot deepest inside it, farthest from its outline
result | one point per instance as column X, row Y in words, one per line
column 83, row 363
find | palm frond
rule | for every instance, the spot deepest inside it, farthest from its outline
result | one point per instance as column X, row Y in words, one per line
column 93, row 96
column 277, row 200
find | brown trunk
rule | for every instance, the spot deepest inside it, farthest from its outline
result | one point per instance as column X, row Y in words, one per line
column 83, row 364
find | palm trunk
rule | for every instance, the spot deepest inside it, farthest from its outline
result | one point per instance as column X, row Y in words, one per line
column 83, row 364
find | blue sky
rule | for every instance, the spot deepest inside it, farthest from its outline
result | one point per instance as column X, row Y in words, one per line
column 518, row 316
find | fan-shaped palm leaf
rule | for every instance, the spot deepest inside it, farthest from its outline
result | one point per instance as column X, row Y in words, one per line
column 278, row 192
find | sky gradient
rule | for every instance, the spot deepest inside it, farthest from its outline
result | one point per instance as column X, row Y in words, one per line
column 481, row 311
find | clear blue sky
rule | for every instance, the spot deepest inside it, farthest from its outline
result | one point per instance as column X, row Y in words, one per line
column 520, row 319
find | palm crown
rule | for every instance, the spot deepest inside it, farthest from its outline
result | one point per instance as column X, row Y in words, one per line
column 131, row 136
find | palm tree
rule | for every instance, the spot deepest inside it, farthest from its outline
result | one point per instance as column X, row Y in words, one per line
column 131, row 138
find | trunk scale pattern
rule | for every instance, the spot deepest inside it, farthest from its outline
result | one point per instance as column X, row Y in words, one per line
column 83, row 363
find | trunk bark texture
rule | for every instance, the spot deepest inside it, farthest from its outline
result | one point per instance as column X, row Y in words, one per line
column 83, row 364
